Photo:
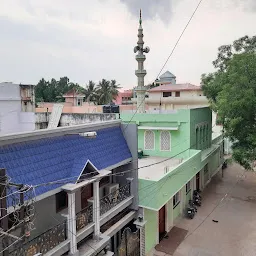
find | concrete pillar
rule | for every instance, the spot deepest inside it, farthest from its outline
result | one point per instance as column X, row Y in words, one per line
column 170, row 214
column 96, row 209
column 72, row 223
column 141, row 226
column 183, row 199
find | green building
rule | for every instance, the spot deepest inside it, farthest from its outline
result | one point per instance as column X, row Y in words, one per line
column 178, row 155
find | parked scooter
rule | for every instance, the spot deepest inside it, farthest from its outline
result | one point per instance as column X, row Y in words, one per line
column 197, row 201
column 196, row 193
column 191, row 212
column 192, row 205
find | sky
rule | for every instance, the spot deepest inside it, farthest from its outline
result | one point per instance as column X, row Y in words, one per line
column 90, row 40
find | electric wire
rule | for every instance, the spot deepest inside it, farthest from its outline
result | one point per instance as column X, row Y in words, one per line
column 173, row 49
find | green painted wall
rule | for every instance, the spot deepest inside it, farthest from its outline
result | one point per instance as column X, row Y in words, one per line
column 200, row 117
column 180, row 139
column 179, row 142
column 160, row 192
column 150, row 228
column 176, row 212
column 188, row 197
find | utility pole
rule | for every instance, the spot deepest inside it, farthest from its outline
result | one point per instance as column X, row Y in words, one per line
column 3, row 205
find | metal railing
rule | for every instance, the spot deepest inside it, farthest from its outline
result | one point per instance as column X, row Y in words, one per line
column 84, row 217
column 42, row 243
column 114, row 198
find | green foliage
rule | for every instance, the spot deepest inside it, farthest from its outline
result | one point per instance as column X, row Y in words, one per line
column 106, row 91
column 52, row 91
column 232, row 93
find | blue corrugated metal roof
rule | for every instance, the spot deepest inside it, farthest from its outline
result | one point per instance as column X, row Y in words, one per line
column 50, row 159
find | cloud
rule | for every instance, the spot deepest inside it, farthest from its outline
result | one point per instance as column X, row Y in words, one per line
column 151, row 9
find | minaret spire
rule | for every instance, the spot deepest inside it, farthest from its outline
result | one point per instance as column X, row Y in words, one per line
column 140, row 72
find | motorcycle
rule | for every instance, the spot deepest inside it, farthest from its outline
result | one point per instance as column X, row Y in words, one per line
column 190, row 212
column 196, row 193
column 192, row 205
column 197, row 201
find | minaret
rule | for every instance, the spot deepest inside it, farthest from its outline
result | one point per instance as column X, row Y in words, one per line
column 140, row 72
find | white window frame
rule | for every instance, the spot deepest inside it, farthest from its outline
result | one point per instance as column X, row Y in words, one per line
column 166, row 150
column 81, row 102
column 145, row 140
column 177, row 201
column 188, row 184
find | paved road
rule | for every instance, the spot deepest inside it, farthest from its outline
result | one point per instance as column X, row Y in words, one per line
column 232, row 202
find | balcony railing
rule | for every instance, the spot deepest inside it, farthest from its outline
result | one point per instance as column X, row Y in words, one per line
column 42, row 243
column 84, row 217
column 114, row 198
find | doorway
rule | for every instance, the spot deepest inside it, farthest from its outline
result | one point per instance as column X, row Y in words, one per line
column 86, row 193
column 161, row 223
column 198, row 181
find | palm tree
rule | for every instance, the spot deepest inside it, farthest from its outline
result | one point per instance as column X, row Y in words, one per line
column 90, row 92
column 114, row 88
column 107, row 91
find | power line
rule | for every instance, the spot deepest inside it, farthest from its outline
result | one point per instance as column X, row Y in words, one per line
column 176, row 44
column 180, row 37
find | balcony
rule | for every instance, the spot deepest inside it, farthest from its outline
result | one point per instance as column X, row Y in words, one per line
column 114, row 202
column 56, row 241
column 43, row 243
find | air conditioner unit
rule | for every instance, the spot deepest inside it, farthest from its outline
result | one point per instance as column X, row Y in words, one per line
column 111, row 188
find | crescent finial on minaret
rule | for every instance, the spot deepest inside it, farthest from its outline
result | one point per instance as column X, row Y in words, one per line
column 140, row 17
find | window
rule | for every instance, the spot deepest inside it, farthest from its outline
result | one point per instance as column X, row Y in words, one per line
column 177, row 94
column 188, row 187
column 167, row 94
column 61, row 201
column 165, row 141
column 149, row 140
column 176, row 199
column 79, row 102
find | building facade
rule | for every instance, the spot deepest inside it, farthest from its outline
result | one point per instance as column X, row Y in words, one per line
column 84, row 192
column 17, row 107
column 179, row 156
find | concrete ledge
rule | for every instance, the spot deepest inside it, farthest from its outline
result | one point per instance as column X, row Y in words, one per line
column 93, row 247
column 120, row 224
column 114, row 211
column 59, row 249
column 86, row 231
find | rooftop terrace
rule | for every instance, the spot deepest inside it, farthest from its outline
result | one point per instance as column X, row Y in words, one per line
column 153, row 171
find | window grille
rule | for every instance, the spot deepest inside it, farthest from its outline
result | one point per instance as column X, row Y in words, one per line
column 165, row 138
column 149, row 143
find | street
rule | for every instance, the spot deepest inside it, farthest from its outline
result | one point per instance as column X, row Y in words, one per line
column 231, row 203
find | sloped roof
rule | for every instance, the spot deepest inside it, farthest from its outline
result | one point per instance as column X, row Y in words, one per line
column 73, row 92
column 45, row 160
column 175, row 87
column 167, row 74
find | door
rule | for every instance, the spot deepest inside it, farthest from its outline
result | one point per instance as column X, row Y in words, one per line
column 198, row 180
column 161, row 217
column 86, row 193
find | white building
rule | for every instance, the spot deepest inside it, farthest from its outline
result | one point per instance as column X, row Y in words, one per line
column 17, row 106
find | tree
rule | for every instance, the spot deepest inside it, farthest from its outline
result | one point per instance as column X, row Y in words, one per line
column 90, row 92
column 106, row 91
column 232, row 93
column 52, row 91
